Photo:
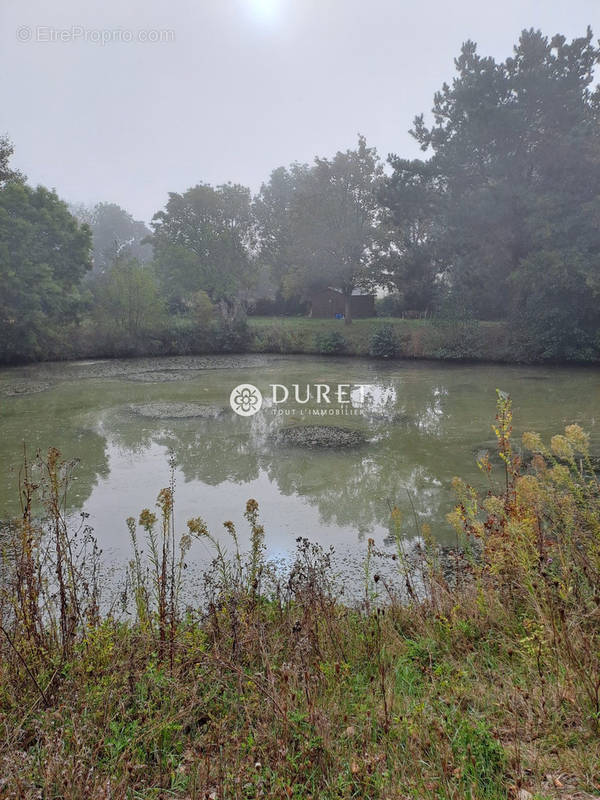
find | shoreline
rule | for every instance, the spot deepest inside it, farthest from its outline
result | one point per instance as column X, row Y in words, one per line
column 449, row 342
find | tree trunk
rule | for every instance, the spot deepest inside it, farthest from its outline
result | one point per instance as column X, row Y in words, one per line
column 348, row 308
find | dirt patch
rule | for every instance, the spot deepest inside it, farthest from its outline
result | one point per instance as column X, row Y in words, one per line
column 318, row 437
column 162, row 376
column 20, row 389
column 175, row 411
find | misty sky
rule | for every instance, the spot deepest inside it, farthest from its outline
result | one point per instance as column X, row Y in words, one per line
column 238, row 88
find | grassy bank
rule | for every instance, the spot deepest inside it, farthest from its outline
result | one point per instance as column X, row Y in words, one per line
column 406, row 338
column 270, row 686
column 391, row 338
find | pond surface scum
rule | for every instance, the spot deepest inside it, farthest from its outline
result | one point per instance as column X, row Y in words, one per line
column 421, row 423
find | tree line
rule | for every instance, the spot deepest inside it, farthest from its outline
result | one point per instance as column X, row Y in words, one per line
column 499, row 220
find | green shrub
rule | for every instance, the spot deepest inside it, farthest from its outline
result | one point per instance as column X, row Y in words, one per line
column 182, row 335
column 392, row 305
column 330, row 343
column 455, row 332
column 542, row 334
column 273, row 339
column 230, row 335
column 384, row 343
column 201, row 308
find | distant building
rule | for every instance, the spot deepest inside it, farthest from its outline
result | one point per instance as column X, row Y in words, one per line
column 329, row 303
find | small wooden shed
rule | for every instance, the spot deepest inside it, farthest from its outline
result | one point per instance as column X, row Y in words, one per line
column 329, row 303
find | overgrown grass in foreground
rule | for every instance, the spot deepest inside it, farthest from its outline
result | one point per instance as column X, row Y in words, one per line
column 484, row 689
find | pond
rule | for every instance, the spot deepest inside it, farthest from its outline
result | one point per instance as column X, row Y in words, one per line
column 417, row 425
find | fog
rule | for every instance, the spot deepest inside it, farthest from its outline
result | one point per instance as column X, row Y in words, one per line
column 100, row 110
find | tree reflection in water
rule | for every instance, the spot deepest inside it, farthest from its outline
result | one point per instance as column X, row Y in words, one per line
column 424, row 423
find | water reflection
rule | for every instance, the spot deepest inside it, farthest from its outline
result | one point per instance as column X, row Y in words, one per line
column 349, row 488
column 92, row 450
column 423, row 424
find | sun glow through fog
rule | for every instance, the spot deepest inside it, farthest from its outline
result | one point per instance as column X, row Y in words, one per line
column 264, row 9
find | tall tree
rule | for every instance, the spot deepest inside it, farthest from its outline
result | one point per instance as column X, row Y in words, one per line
column 115, row 233
column 320, row 225
column 516, row 146
column 413, row 194
column 514, row 191
column 203, row 241
column 7, row 174
column 44, row 254
column 127, row 297
column 273, row 212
